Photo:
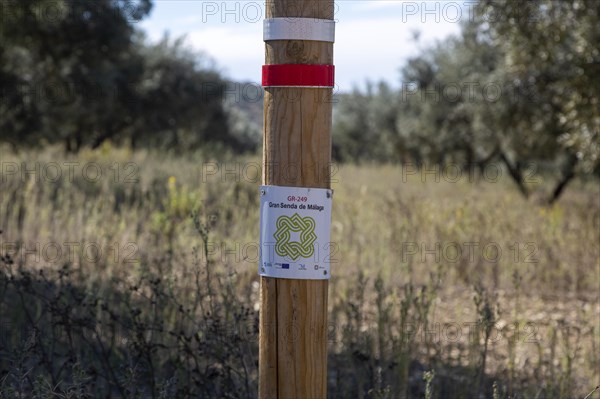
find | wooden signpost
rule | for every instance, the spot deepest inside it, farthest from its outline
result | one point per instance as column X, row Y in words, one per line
column 296, row 153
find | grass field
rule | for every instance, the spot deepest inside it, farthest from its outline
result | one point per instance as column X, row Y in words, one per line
column 135, row 275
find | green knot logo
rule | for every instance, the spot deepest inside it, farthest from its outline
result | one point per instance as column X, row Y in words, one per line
column 295, row 224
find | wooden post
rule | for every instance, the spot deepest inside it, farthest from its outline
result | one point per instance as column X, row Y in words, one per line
column 296, row 153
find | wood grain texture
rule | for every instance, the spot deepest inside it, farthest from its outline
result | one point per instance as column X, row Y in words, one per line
column 267, row 362
column 296, row 153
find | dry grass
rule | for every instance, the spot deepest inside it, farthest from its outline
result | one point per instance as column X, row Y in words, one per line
column 158, row 264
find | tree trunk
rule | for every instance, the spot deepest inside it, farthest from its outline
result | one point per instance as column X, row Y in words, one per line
column 515, row 173
column 567, row 175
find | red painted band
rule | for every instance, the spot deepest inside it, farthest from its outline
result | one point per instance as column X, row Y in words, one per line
column 298, row 75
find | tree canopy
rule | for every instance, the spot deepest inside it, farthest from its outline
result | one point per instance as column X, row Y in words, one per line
column 79, row 73
column 519, row 85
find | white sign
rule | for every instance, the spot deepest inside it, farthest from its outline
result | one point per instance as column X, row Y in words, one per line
column 295, row 228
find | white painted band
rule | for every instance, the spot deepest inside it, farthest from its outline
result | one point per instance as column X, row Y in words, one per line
column 322, row 30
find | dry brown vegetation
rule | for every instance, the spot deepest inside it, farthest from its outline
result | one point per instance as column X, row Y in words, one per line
column 143, row 283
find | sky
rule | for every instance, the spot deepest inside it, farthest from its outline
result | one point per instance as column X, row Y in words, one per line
column 373, row 38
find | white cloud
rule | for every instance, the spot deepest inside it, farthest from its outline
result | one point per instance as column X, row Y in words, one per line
column 239, row 51
column 376, row 48
column 187, row 20
column 378, row 4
